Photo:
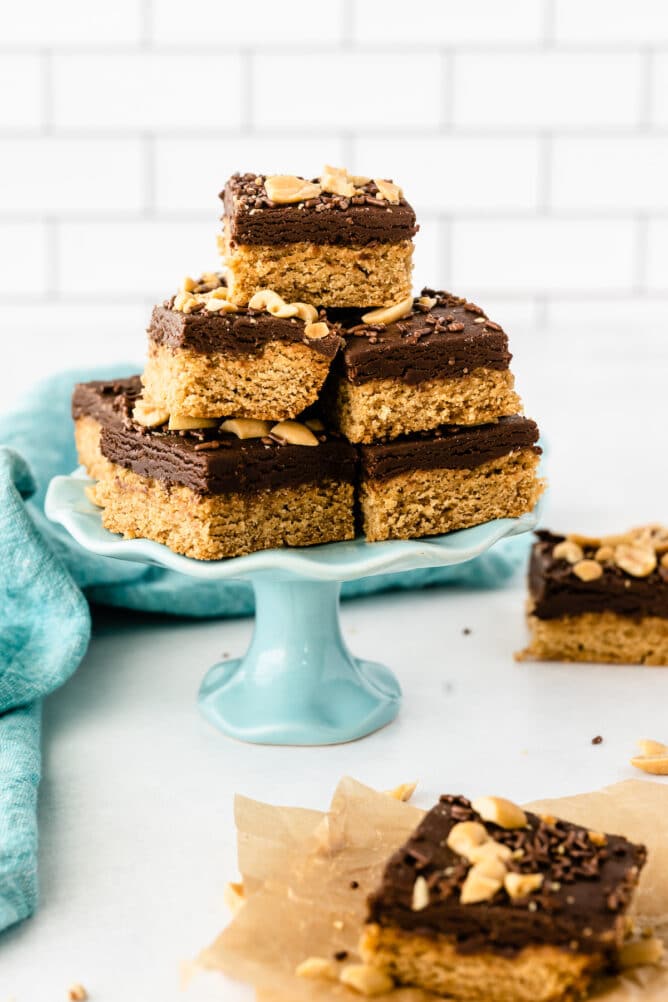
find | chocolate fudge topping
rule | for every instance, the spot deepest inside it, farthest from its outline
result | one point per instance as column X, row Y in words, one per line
column 328, row 219
column 585, row 892
column 207, row 461
column 446, row 341
column 106, row 400
column 556, row 591
column 246, row 332
column 453, row 447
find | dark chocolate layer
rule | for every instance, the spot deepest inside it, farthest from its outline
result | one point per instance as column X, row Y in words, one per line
column 586, row 887
column 244, row 333
column 556, row 591
column 106, row 400
column 444, row 342
column 451, row 447
column 328, row 219
column 207, row 461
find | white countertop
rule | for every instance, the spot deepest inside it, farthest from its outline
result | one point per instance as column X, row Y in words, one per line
column 137, row 836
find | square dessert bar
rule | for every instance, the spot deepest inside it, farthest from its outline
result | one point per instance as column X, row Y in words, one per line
column 98, row 403
column 487, row 903
column 338, row 240
column 438, row 361
column 455, row 477
column 210, row 358
column 599, row 599
column 218, row 489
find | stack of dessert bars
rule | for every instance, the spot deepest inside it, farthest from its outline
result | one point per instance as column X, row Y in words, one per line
column 303, row 394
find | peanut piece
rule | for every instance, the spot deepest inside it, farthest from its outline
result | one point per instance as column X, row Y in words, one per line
column 285, row 189
column 644, row 951
column 316, row 967
column 635, row 560
column 585, row 542
column 490, row 850
column 587, row 570
column 478, row 887
column 184, row 302
column 466, row 836
column 217, row 304
column 182, row 422
column 366, row 980
column 420, row 898
column 293, row 433
column 389, row 314
column 234, row 896
column 148, row 415
column 500, row 812
column 428, row 303
column 568, row 550
column 604, row 553
column 267, row 299
column 402, row 792
column 314, row 332
column 77, row 993
column 390, row 191
column 597, row 838
column 655, row 765
column 520, row 885
column 305, row 312
column 648, row 747
column 246, row 427
column 337, row 181
column 188, row 284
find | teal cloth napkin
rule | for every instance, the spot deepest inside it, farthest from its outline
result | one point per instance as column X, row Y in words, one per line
column 46, row 584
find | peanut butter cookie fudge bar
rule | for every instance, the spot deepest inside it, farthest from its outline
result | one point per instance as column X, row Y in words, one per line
column 599, row 599
column 212, row 489
column 208, row 357
column 95, row 404
column 487, row 903
column 412, row 367
column 431, row 483
column 338, row 240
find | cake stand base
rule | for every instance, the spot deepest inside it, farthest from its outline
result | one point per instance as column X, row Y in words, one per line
column 298, row 683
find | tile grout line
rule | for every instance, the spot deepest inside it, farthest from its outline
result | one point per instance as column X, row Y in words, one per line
column 646, row 97
column 545, row 172
column 47, row 91
column 447, row 84
column 347, row 27
column 52, row 257
column 248, row 91
column 641, row 254
column 149, row 178
column 146, row 28
column 549, row 26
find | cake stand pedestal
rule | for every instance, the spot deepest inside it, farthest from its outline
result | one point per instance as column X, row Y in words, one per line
column 298, row 684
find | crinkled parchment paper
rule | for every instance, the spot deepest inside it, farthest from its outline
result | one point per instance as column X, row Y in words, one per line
column 298, row 866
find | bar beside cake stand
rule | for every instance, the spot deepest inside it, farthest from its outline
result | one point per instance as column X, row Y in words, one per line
column 297, row 684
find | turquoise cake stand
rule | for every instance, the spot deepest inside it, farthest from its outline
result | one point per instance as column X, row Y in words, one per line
column 298, row 684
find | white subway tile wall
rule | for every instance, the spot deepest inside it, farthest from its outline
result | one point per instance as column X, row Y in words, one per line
column 531, row 136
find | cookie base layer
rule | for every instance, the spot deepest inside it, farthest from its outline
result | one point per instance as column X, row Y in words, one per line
column 432, row 502
column 536, row 974
column 599, row 637
column 87, row 440
column 324, row 274
column 211, row 527
column 278, row 383
column 385, row 408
